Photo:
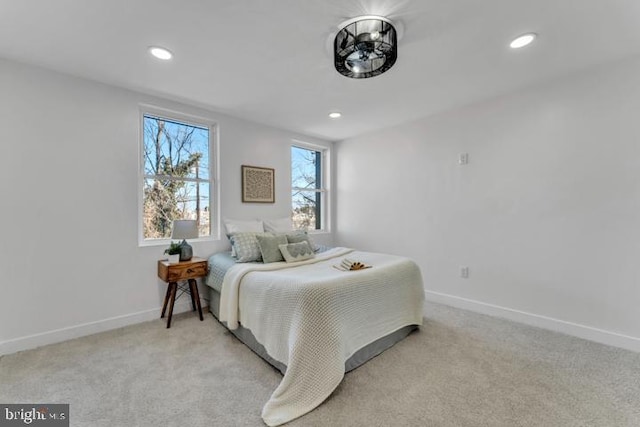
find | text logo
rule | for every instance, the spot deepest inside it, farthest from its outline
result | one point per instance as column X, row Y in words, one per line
column 30, row 414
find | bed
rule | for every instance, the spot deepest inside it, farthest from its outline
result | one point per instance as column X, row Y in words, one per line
column 313, row 321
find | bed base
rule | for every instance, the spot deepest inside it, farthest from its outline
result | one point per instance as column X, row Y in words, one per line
column 361, row 356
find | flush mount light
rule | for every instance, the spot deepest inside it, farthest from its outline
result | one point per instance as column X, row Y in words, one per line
column 160, row 53
column 523, row 40
column 365, row 46
column 335, row 114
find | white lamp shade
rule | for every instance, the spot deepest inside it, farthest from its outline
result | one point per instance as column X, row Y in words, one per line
column 184, row 229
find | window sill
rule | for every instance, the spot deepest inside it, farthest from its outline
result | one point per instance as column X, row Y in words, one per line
column 318, row 232
column 166, row 242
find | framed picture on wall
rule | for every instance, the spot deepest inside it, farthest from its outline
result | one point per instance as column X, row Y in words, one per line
column 258, row 185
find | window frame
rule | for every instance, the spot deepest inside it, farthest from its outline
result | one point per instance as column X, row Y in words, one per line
column 213, row 152
column 324, row 190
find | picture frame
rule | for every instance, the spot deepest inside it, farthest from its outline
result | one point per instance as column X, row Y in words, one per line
column 258, row 184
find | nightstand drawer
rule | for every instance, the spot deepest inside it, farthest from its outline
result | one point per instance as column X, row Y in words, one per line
column 188, row 272
column 181, row 271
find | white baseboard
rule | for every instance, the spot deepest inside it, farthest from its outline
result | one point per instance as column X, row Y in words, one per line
column 64, row 334
column 581, row 331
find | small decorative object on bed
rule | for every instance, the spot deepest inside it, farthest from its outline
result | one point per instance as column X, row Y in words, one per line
column 258, row 184
column 349, row 265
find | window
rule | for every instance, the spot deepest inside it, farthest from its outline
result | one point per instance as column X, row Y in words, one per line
column 308, row 190
column 177, row 176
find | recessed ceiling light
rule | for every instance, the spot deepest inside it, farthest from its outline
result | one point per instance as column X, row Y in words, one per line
column 335, row 115
column 523, row 40
column 160, row 53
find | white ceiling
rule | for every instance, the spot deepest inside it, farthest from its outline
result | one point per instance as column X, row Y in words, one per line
column 269, row 60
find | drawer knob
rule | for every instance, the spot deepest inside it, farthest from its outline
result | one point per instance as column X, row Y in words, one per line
column 189, row 271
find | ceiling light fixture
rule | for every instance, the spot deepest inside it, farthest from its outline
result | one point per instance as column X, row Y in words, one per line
column 335, row 114
column 160, row 53
column 523, row 40
column 365, row 46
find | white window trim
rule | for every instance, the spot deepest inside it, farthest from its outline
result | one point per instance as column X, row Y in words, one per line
column 325, row 186
column 214, row 179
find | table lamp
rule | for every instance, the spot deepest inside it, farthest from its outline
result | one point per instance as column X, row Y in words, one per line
column 185, row 229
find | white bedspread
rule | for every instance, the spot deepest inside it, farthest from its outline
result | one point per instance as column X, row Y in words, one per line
column 313, row 317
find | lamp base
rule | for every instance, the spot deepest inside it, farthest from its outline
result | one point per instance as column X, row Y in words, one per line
column 186, row 251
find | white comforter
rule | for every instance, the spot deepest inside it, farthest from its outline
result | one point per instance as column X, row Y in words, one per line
column 312, row 317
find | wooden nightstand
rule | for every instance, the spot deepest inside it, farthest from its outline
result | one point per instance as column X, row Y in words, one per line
column 173, row 273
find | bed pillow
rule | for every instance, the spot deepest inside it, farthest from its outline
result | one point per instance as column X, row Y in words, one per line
column 293, row 252
column 237, row 226
column 301, row 236
column 246, row 247
column 241, row 226
column 269, row 246
column 280, row 225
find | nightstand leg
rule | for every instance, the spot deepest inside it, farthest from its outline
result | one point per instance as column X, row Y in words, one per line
column 174, row 287
column 193, row 285
column 193, row 299
column 166, row 300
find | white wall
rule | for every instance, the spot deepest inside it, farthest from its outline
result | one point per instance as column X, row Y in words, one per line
column 546, row 214
column 70, row 260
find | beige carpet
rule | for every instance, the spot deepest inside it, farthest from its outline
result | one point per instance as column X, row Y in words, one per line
column 461, row 369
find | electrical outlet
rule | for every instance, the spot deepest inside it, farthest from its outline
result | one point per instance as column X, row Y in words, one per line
column 463, row 159
column 464, row 272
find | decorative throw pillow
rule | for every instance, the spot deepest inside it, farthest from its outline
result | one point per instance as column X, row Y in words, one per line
column 246, row 247
column 296, row 251
column 269, row 247
column 280, row 225
column 301, row 236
